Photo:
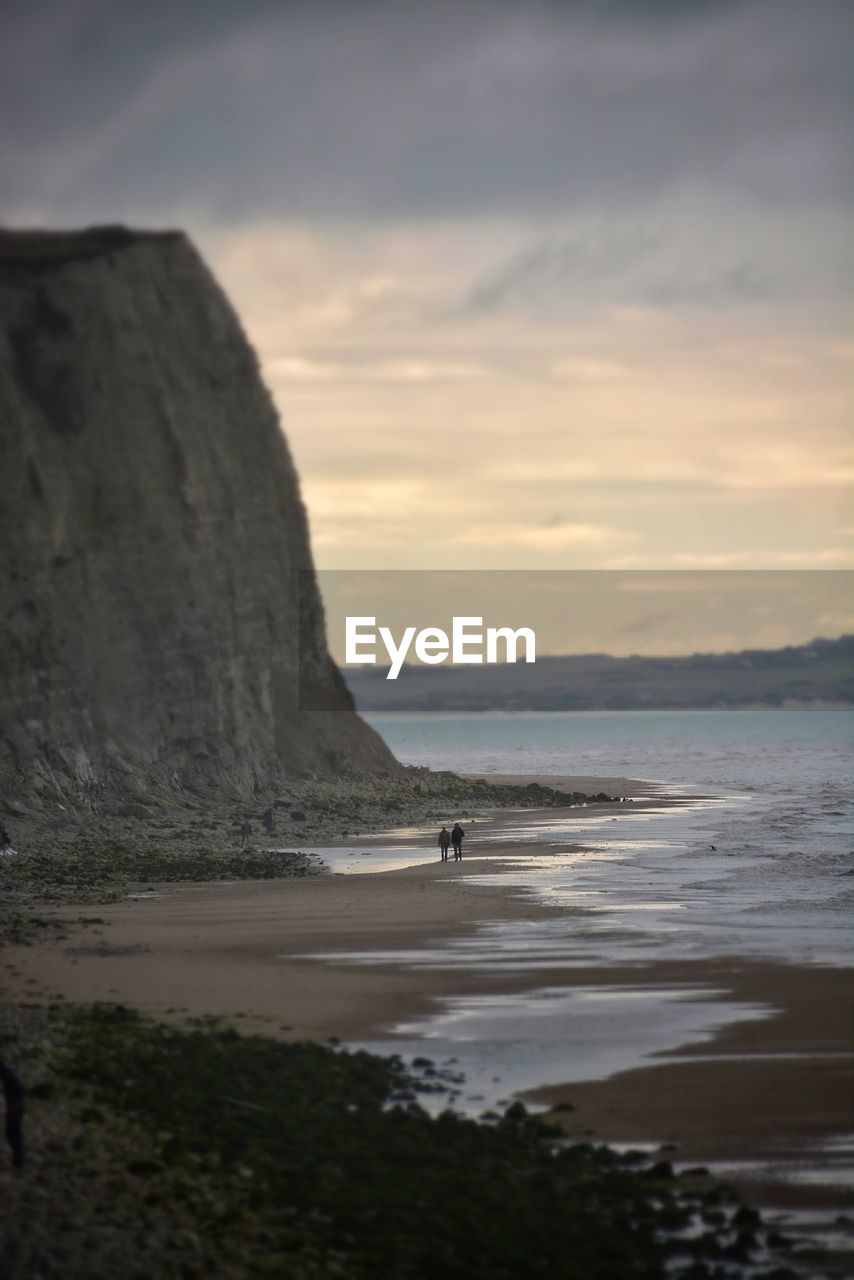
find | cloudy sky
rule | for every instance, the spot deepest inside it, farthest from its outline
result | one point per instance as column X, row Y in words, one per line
column 554, row 284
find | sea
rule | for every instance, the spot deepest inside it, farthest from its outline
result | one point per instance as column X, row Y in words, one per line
column 756, row 861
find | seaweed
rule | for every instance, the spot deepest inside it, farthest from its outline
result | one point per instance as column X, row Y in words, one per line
column 290, row 1160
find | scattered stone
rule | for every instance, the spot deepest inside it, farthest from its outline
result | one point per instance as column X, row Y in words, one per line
column 745, row 1217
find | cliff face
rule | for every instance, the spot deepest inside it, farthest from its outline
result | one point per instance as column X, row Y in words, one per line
column 159, row 607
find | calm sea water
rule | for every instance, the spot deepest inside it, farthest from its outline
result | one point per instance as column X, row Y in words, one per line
column 739, row 751
column 762, row 867
column 766, row 868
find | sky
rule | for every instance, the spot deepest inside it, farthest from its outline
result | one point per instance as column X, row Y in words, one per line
column 622, row 612
column 553, row 285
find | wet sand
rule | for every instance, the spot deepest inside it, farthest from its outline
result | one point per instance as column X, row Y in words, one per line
column 776, row 1092
column 243, row 950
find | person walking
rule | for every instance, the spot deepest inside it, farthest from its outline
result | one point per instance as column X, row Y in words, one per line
column 14, row 1094
column 457, row 835
column 444, row 842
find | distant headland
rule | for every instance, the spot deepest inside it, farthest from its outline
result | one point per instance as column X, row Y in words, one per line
column 819, row 672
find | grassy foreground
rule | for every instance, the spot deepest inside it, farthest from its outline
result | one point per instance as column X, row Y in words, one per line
column 199, row 1152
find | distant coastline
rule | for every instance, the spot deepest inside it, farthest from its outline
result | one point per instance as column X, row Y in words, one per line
column 817, row 674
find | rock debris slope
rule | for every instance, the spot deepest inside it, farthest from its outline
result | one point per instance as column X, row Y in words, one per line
column 159, row 609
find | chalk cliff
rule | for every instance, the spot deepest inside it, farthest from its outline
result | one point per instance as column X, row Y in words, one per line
column 159, row 609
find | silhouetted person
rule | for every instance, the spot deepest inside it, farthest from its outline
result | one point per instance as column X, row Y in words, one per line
column 457, row 835
column 267, row 819
column 246, row 827
column 13, row 1092
column 444, row 843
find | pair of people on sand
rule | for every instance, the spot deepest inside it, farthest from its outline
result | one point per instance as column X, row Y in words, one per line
column 453, row 837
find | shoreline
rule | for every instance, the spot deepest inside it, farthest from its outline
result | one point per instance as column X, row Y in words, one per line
column 211, row 942
column 763, row 1100
column 93, row 858
column 258, row 953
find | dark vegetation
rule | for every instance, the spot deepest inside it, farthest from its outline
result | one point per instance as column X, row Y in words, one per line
column 91, row 865
column 250, row 1157
column 100, row 868
column 822, row 671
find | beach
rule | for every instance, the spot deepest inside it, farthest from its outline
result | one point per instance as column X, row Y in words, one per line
column 748, row 1069
column 248, row 948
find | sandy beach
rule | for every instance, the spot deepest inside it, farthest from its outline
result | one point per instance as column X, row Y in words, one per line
column 244, row 949
column 768, row 1089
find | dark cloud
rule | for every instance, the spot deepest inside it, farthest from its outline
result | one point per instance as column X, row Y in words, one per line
column 390, row 110
column 619, row 263
column 738, row 282
column 552, row 271
column 646, row 623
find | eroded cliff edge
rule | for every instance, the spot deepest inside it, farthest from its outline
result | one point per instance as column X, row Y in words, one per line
column 155, row 545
